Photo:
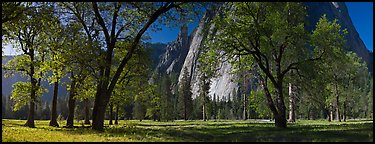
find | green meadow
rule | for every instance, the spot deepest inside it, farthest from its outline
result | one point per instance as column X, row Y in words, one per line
column 196, row 131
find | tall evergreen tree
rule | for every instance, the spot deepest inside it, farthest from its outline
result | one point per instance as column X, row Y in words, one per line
column 185, row 99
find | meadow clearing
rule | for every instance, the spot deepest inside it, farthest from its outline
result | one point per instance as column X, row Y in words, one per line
column 223, row 130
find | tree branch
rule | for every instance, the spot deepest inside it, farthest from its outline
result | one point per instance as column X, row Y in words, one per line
column 137, row 38
column 101, row 21
column 295, row 64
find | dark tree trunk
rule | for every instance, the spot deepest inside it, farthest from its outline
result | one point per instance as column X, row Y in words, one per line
column 308, row 114
column 53, row 121
column 280, row 119
column 30, row 117
column 99, row 111
column 204, row 112
column 110, row 114
column 344, row 112
column 71, row 104
column 116, row 116
column 87, row 111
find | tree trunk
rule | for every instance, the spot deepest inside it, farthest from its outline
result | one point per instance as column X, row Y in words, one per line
column 53, row 121
column 116, row 116
column 344, row 112
column 87, row 112
column 110, row 114
column 328, row 115
column 204, row 113
column 71, row 104
column 98, row 114
column 244, row 114
column 308, row 113
column 280, row 119
column 337, row 105
column 30, row 117
column 292, row 114
column 331, row 111
column 281, row 122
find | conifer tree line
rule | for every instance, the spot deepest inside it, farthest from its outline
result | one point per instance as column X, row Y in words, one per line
column 101, row 47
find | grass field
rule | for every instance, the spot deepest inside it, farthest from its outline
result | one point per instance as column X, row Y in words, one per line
column 250, row 130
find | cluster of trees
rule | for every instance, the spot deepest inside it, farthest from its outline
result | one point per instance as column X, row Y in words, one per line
column 270, row 42
column 42, row 109
column 100, row 47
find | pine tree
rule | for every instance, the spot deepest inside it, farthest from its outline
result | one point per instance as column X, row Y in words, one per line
column 166, row 99
column 185, row 99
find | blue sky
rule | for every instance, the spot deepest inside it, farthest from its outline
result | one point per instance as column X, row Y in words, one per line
column 361, row 14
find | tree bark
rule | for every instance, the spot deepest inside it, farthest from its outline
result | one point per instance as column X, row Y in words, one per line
column 71, row 104
column 204, row 113
column 87, row 112
column 280, row 119
column 292, row 114
column 53, row 121
column 344, row 112
column 30, row 117
column 99, row 111
column 110, row 114
column 116, row 116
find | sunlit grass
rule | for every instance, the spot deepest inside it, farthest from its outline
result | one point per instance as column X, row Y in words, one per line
column 232, row 130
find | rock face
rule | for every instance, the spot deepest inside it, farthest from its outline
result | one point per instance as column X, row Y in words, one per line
column 172, row 59
column 223, row 85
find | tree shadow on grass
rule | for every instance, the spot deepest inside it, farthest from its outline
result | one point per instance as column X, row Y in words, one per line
column 251, row 132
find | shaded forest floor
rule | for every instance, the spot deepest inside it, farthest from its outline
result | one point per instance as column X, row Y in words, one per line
column 231, row 130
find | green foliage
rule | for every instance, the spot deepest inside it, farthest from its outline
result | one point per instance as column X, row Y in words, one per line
column 167, row 99
column 185, row 102
column 258, row 103
column 21, row 94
